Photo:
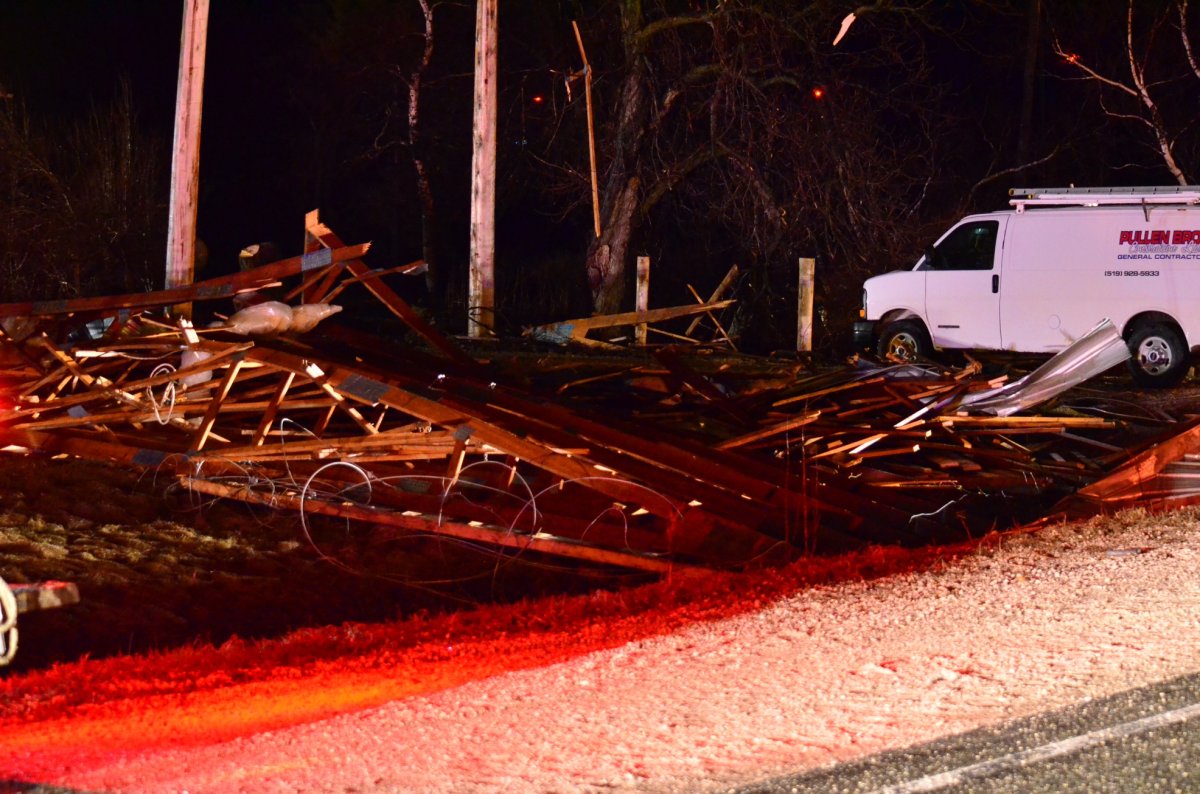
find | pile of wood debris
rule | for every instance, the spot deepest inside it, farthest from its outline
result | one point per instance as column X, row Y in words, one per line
column 670, row 459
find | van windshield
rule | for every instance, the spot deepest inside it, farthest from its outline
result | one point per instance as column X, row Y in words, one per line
column 971, row 246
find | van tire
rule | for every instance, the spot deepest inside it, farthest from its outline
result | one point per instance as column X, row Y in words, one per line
column 1158, row 356
column 906, row 340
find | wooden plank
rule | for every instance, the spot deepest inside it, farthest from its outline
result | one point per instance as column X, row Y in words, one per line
column 721, row 332
column 268, row 417
column 315, row 286
column 37, row 596
column 428, row 445
column 351, row 281
column 314, row 372
column 704, row 387
column 661, row 332
column 776, row 429
column 323, row 423
column 579, row 327
column 493, row 535
column 642, row 296
column 1127, row 481
column 214, row 407
column 726, row 282
column 220, row 287
column 461, row 434
column 830, row 390
column 394, row 303
column 437, row 412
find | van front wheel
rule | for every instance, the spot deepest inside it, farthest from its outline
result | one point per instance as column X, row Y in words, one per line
column 1159, row 357
column 905, row 340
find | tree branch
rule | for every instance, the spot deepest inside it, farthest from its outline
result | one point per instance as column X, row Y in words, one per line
column 641, row 40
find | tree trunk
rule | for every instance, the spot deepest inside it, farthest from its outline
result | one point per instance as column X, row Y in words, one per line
column 433, row 279
column 606, row 262
column 607, row 255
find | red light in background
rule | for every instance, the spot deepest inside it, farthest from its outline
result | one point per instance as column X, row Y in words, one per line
column 538, row 99
column 818, row 92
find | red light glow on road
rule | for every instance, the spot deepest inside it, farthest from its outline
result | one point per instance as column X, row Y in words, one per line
column 63, row 725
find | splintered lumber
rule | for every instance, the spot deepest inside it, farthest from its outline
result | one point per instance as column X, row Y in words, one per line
column 577, row 330
column 323, row 235
column 717, row 481
column 726, row 282
column 677, row 367
column 1140, row 476
column 776, row 429
column 221, row 287
column 681, row 459
column 44, row 595
column 445, row 411
column 497, row 536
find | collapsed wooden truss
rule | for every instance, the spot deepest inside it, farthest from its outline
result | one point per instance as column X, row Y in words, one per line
column 668, row 464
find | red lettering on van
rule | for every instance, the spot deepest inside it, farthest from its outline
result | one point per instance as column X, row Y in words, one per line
column 1149, row 237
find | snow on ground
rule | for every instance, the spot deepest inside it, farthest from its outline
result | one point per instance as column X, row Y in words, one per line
column 712, row 690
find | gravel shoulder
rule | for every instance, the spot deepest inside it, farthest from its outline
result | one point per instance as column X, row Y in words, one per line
column 803, row 674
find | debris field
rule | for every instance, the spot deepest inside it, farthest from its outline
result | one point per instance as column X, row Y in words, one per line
column 661, row 459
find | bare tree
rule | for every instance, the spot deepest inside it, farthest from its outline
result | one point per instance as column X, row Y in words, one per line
column 741, row 119
column 81, row 205
column 1156, row 87
column 417, row 152
column 374, row 143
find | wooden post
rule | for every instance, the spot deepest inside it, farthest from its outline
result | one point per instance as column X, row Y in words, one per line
column 185, row 153
column 481, row 298
column 642, row 298
column 587, row 92
column 804, row 305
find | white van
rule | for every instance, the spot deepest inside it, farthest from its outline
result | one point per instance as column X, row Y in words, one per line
column 1034, row 278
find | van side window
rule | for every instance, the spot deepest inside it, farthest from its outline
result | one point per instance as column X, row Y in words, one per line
column 971, row 246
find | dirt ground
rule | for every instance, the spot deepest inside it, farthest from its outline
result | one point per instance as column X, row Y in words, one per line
column 157, row 569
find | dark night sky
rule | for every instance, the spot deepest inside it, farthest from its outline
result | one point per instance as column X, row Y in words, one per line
column 286, row 129
column 60, row 55
column 60, row 58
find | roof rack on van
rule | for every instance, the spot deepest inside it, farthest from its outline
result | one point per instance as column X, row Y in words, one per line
column 1097, row 196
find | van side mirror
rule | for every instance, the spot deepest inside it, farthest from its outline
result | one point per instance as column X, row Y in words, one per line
column 931, row 261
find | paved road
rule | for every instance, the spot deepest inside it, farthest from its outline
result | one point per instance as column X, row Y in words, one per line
column 1144, row 740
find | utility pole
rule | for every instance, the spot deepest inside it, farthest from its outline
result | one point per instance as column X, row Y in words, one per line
column 481, row 298
column 185, row 150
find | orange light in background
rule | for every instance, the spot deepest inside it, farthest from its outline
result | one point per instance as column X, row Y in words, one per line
column 818, row 92
column 538, row 99
column 1071, row 57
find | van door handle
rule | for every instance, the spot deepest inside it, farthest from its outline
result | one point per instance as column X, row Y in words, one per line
column 995, row 284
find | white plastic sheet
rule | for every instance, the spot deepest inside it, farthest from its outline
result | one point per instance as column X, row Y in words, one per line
column 273, row 317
